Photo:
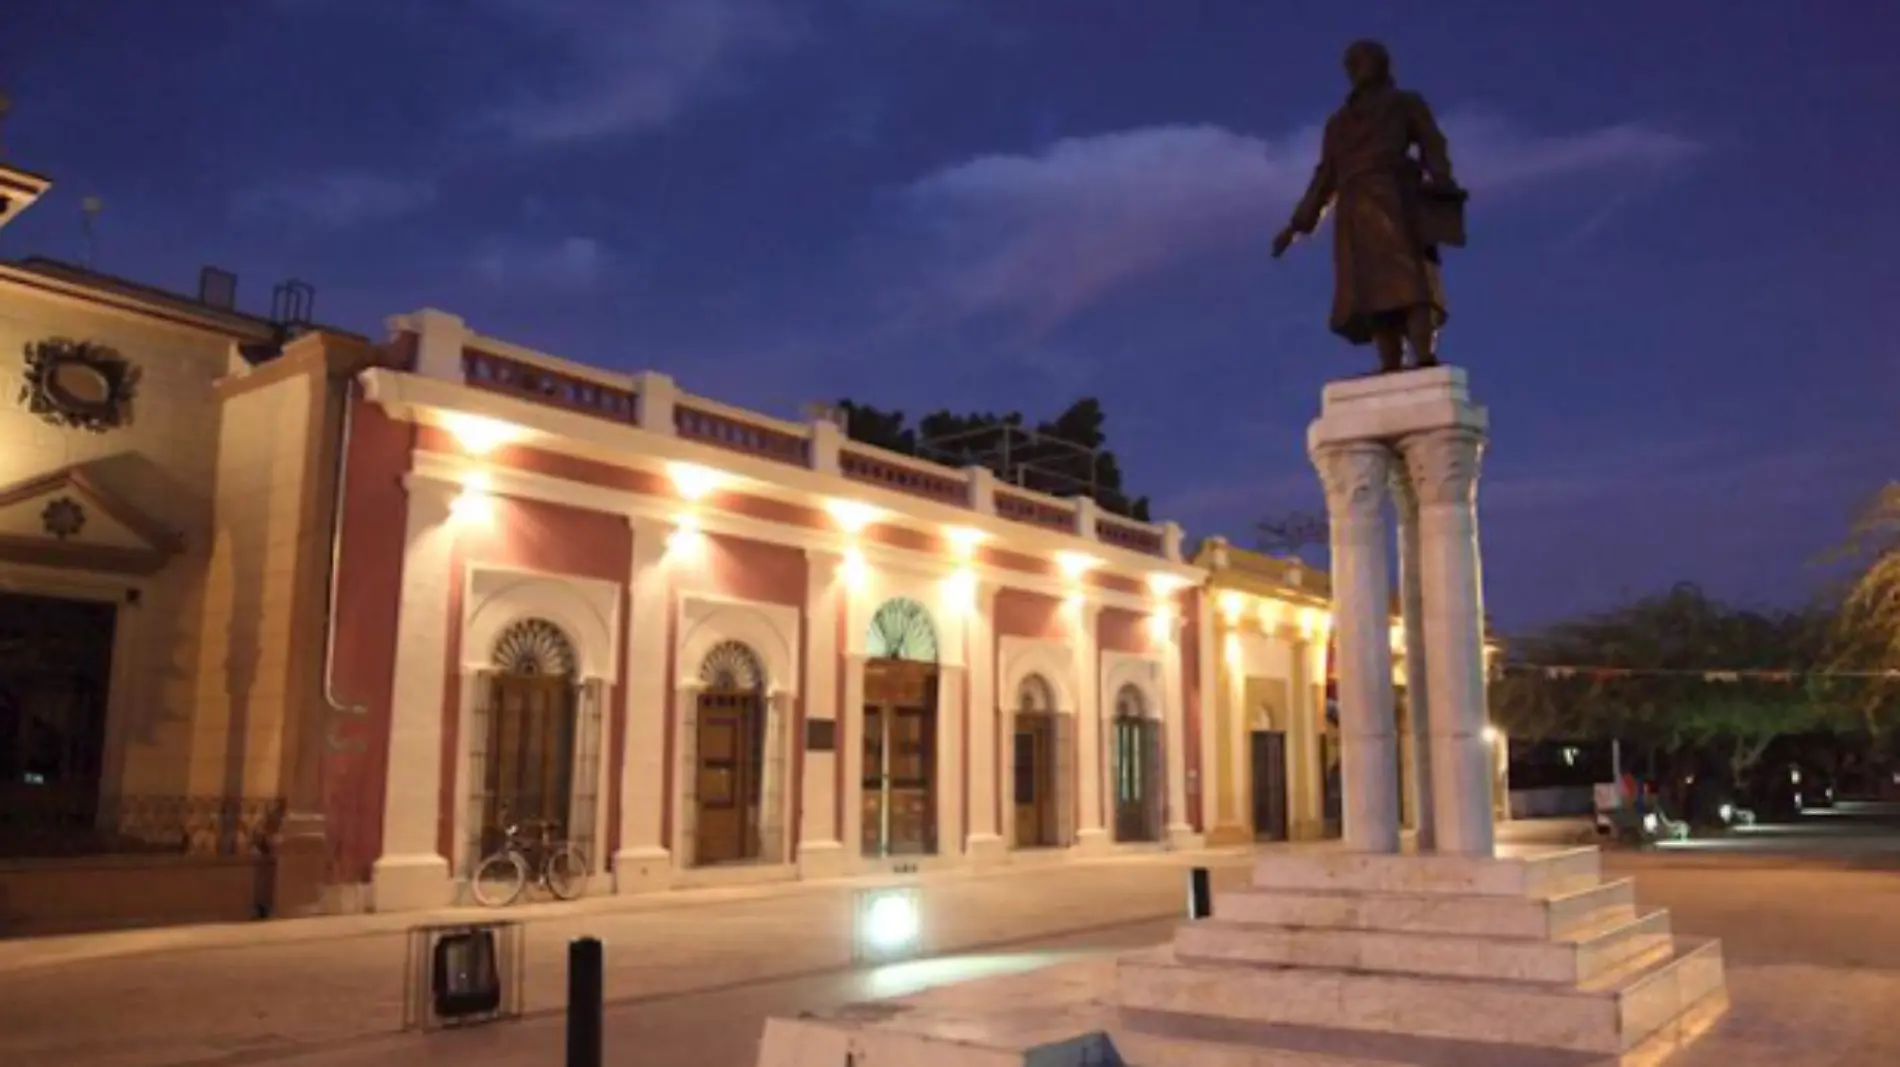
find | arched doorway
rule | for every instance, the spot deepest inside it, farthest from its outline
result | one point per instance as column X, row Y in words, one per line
column 730, row 753
column 900, row 732
column 1036, row 764
column 530, row 759
column 1135, row 756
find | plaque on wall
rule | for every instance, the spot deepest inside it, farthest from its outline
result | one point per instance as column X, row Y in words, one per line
column 821, row 735
column 79, row 384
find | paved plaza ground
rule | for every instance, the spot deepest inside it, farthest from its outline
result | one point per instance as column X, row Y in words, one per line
column 1811, row 922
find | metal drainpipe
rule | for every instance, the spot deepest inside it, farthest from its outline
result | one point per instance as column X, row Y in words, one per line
column 332, row 705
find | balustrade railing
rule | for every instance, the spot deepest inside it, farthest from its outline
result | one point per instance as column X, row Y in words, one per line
column 655, row 405
column 698, row 422
column 1128, row 535
column 526, row 381
column 1035, row 511
column 50, row 822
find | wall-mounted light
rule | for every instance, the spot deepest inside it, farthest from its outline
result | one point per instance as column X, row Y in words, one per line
column 478, row 435
column 693, row 481
column 1161, row 624
column 959, row 591
column 855, row 570
column 851, row 515
column 1075, row 564
column 473, row 506
column 1271, row 612
column 1232, row 605
column 963, row 541
column 1491, row 735
column 1231, row 651
column 686, row 539
column 1166, row 585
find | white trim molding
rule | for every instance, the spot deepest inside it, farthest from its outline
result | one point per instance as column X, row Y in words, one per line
column 587, row 610
column 769, row 630
column 1020, row 657
column 1142, row 670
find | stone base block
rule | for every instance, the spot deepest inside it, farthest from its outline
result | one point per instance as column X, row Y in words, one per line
column 823, row 859
column 1538, row 875
column 1092, row 842
column 987, row 850
column 1575, row 958
column 410, row 883
column 1182, row 838
column 1612, row 1015
column 1528, row 917
column 642, row 870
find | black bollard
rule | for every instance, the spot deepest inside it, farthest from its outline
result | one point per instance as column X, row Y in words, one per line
column 1200, row 894
column 585, row 1001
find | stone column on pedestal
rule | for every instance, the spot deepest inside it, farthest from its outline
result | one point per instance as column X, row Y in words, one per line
column 1355, row 474
column 642, row 860
column 1417, row 694
column 1443, row 467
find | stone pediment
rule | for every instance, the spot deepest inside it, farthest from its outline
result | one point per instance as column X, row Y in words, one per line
column 65, row 519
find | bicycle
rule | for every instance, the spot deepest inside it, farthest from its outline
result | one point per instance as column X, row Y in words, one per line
column 557, row 866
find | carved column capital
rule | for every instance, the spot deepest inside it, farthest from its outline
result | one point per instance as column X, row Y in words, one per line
column 1355, row 476
column 1443, row 465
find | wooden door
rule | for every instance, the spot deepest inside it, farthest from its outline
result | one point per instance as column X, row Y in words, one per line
column 730, row 775
column 528, row 771
column 1033, row 771
column 1136, row 759
column 899, row 781
column 1269, row 785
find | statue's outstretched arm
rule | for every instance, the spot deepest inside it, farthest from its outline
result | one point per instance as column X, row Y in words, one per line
column 1319, row 196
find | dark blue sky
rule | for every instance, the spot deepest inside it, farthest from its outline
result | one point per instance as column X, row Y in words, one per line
column 1679, row 299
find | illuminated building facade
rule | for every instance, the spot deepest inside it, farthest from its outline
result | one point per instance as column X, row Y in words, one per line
column 712, row 646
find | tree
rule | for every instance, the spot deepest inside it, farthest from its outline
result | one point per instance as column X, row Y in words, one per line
column 1288, row 534
column 1064, row 456
column 1865, row 637
column 1655, row 679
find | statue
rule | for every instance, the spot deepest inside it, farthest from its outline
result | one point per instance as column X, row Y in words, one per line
column 1392, row 212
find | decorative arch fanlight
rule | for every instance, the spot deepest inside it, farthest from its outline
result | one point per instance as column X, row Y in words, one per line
column 535, row 646
column 1035, row 694
column 1129, row 703
column 901, row 629
column 733, row 667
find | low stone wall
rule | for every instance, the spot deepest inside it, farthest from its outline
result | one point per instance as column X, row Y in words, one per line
column 43, row 897
column 1555, row 800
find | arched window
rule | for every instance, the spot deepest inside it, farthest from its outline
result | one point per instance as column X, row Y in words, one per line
column 536, row 647
column 1034, row 695
column 732, row 666
column 1129, row 703
column 901, row 629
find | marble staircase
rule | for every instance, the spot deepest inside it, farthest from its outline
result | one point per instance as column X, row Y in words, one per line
column 1334, row 959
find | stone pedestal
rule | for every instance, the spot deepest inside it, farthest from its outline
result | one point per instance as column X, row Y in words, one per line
column 1333, row 959
column 1416, row 439
column 1357, row 957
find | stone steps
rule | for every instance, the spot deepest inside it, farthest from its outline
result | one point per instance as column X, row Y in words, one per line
column 1609, row 1016
column 1539, row 876
column 1540, row 918
column 1588, row 952
column 1155, row 1039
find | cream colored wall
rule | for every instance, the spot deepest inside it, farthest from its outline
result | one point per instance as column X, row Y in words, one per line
column 233, row 743
column 164, row 463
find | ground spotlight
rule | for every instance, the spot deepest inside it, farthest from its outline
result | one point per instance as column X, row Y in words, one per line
column 887, row 925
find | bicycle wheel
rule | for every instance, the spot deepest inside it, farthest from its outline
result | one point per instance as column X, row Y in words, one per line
column 499, row 880
column 566, row 872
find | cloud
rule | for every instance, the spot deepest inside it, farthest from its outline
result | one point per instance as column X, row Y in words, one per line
column 571, row 263
column 635, row 66
column 1045, row 235
column 337, row 200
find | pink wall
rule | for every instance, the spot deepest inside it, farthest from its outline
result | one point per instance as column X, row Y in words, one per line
column 1020, row 613
column 1119, row 630
column 1189, row 605
column 532, row 535
column 374, row 508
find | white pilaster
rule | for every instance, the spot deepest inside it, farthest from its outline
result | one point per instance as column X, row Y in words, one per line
column 412, row 873
column 1443, row 465
column 1213, row 781
column 820, row 853
column 985, row 771
column 1180, row 832
column 641, row 859
column 440, row 339
column 1417, row 692
column 1091, row 832
column 1355, row 474
column 1308, row 819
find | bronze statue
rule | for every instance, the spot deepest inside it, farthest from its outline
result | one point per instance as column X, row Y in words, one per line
column 1392, row 212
